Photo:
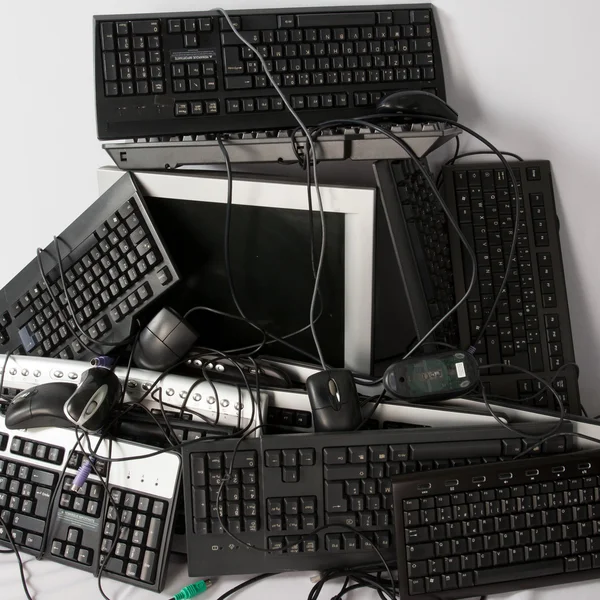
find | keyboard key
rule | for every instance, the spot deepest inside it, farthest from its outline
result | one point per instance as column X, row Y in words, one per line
column 522, row 571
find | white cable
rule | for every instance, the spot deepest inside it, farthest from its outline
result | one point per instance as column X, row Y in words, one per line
column 310, row 142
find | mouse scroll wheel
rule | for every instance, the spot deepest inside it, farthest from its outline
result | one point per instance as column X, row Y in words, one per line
column 333, row 389
column 91, row 407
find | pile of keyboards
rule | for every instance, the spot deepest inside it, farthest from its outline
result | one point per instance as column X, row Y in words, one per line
column 432, row 487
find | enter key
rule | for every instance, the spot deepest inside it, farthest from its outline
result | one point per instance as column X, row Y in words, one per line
column 334, row 497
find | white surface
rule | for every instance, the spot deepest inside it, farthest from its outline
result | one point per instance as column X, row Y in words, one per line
column 522, row 72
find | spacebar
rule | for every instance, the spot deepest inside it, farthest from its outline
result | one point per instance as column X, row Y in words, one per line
column 331, row 19
column 521, row 571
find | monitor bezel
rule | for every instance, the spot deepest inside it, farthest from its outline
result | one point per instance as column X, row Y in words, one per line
column 358, row 206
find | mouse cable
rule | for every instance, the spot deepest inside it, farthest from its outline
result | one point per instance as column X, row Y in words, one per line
column 18, row 555
column 440, row 177
column 479, row 152
column 404, row 145
column 274, row 339
column 377, row 402
column 537, row 438
column 244, row 584
column 230, row 316
column 513, row 181
column 513, row 246
column 315, row 179
column 510, row 173
column 365, row 577
column 553, row 433
column 540, row 392
column 138, row 405
column 458, row 156
column 131, row 406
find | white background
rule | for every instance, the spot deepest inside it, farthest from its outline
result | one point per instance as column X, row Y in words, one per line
column 524, row 73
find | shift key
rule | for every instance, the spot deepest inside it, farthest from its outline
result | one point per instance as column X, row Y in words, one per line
column 29, row 523
column 231, row 57
column 238, row 82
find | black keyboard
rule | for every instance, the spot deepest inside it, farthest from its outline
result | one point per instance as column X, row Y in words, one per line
column 170, row 74
column 531, row 328
column 496, row 528
column 419, row 231
column 80, row 526
column 284, row 487
column 116, row 267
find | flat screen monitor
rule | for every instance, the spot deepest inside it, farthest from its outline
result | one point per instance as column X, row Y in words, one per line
column 272, row 266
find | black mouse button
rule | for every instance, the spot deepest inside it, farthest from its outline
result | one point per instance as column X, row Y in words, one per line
column 181, row 339
column 164, row 322
column 91, row 407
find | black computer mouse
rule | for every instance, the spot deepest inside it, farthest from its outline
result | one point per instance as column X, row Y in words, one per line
column 440, row 376
column 90, row 405
column 165, row 341
column 40, row 406
column 334, row 400
column 415, row 102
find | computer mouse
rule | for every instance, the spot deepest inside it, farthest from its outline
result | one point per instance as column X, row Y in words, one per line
column 40, row 406
column 413, row 102
column 90, row 405
column 334, row 400
column 165, row 341
column 435, row 377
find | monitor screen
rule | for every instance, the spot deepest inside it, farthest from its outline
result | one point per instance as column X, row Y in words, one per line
column 271, row 269
column 270, row 258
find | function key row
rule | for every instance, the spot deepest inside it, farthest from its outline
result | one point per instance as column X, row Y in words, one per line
column 44, row 452
column 196, row 108
column 293, row 544
column 335, row 35
column 289, row 21
column 488, row 179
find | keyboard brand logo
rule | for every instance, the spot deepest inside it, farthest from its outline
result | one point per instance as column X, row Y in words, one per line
column 193, row 55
